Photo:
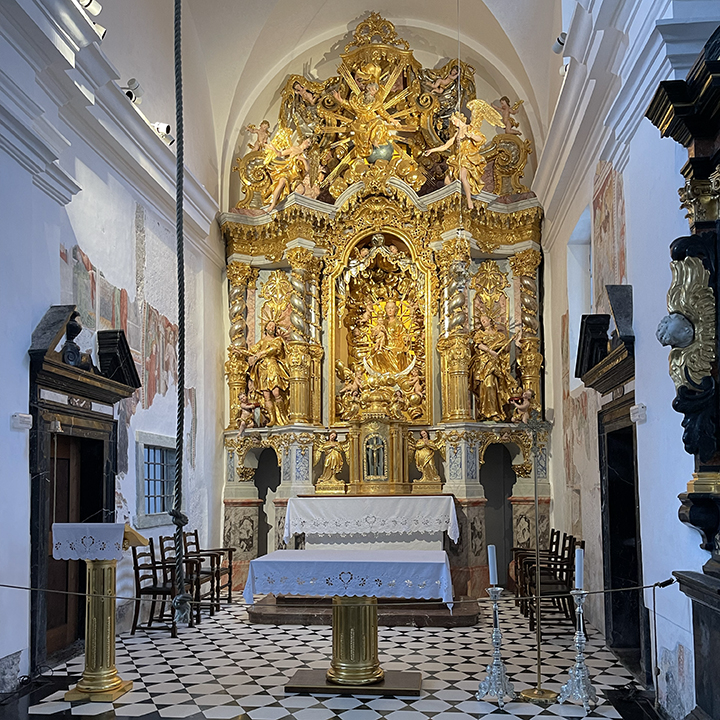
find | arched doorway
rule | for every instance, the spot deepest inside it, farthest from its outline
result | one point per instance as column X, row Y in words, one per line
column 497, row 478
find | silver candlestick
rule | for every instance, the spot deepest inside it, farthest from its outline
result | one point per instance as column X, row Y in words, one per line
column 579, row 687
column 496, row 682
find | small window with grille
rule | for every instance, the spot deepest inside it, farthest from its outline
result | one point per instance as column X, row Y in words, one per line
column 159, row 464
column 155, row 468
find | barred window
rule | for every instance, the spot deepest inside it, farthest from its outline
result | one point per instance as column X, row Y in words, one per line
column 159, row 475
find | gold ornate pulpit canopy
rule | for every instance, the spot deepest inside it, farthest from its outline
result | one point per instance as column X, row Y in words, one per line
column 100, row 545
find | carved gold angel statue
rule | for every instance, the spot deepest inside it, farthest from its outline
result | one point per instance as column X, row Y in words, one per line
column 424, row 450
column 269, row 375
column 467, row 163
column 334, row 452
column 493, row 383
column 287, row 163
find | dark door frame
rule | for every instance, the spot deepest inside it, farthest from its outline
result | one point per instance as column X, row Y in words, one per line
column 615, row 415
column 66, row 387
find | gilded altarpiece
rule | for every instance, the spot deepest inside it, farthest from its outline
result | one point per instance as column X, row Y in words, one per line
column 384, row 304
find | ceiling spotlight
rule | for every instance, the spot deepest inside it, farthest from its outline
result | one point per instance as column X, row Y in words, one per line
column 99, row 29
column 163, row 130
column 559, row 44
column 91, row 6
column 134, row 91
column 563, row 70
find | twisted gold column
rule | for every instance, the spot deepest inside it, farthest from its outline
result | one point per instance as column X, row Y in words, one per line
column 100, row 680
column 524, row 266
column 241, row 277
column 454, row 343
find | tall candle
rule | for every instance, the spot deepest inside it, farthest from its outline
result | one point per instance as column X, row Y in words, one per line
column 579, row 570
column 492, row 565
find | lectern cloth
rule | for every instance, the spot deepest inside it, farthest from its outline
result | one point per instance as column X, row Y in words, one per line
column 88, row 541
column 423, row 574
column 405, row 514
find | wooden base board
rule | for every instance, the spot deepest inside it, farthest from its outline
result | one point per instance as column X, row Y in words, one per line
column 395, row 683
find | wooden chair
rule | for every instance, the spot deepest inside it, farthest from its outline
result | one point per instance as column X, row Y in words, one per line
column 556, row 581
column 195, row 576
column 520, row 555
column 223, row 563
column 156, row 580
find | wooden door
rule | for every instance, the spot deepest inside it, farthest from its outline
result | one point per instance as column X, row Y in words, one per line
column 63, row 575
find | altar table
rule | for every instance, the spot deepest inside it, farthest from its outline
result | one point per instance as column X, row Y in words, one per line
column 354, row 579
column 404, row 522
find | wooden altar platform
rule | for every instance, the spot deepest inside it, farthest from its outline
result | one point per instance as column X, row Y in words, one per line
column 305, row 610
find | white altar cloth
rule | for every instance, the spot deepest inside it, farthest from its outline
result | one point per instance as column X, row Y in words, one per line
column 324, row 573
column 88, row 541
column 344, row 517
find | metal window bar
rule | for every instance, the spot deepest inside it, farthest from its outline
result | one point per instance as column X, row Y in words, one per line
column 159, row 473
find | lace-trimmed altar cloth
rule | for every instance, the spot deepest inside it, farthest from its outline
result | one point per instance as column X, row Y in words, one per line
column 88, row 541
column 379, row 573
column 398, row 514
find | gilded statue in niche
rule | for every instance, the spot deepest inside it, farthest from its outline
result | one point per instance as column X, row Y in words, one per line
column 492, row 379
column 334, row 452
column 424, row 450
column 269, row 375
column 467, row 162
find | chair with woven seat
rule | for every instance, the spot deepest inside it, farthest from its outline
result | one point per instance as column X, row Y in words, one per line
column 155, row 579
column 195, row 575
column 223, row 563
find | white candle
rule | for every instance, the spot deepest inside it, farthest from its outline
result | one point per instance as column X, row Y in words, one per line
column 579, row 570
column 492, row 565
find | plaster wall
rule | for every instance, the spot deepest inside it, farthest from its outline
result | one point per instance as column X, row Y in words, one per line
column 654, row 220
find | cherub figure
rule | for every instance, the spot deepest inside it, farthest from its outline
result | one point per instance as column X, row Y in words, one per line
column 307, row 96
column 262, row 136
column 507, row 111
column 522, row 406
column 247, row 413
column 439, row 86
column 398, row 406
column 379, row 336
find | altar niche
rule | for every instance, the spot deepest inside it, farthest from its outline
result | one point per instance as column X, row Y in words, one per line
column 379, row 305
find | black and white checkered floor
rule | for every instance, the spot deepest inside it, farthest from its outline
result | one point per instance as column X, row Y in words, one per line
column 226, row 668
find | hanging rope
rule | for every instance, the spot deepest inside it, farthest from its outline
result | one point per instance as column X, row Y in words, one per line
column 181, row 602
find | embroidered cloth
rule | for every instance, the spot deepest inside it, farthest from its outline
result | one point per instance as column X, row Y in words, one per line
column 88, row 541
column 345, row 516
column 379, row 573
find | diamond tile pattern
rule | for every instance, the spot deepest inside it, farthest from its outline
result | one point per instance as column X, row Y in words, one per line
column 226, row 668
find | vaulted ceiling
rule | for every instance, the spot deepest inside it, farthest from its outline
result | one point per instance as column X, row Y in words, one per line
column 238, row 54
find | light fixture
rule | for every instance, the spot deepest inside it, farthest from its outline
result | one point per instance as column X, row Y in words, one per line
column 91, row 6
column 99, row 29
column 163, row 130
column 563, row 70
column 134, row 91
column 559, row 44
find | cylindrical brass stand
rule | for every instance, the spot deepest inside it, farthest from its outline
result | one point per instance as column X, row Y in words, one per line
column 100, row 680
column 355, row 642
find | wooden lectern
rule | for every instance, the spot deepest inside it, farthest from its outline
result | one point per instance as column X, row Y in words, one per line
column 100, row 545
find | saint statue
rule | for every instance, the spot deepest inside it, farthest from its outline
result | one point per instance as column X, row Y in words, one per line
column 334, row 461
column 288, row 167
column 467, row 163
column 269, row 376
column 425, row 450
column 492, row 380
column 390, row 342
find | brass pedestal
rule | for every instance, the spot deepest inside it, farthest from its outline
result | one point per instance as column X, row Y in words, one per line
column 355, row 642
column 100, row 681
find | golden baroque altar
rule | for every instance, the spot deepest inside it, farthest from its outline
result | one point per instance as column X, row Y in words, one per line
column 383, row 273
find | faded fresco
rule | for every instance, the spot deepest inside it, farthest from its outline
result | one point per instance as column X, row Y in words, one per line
column 608, row 234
